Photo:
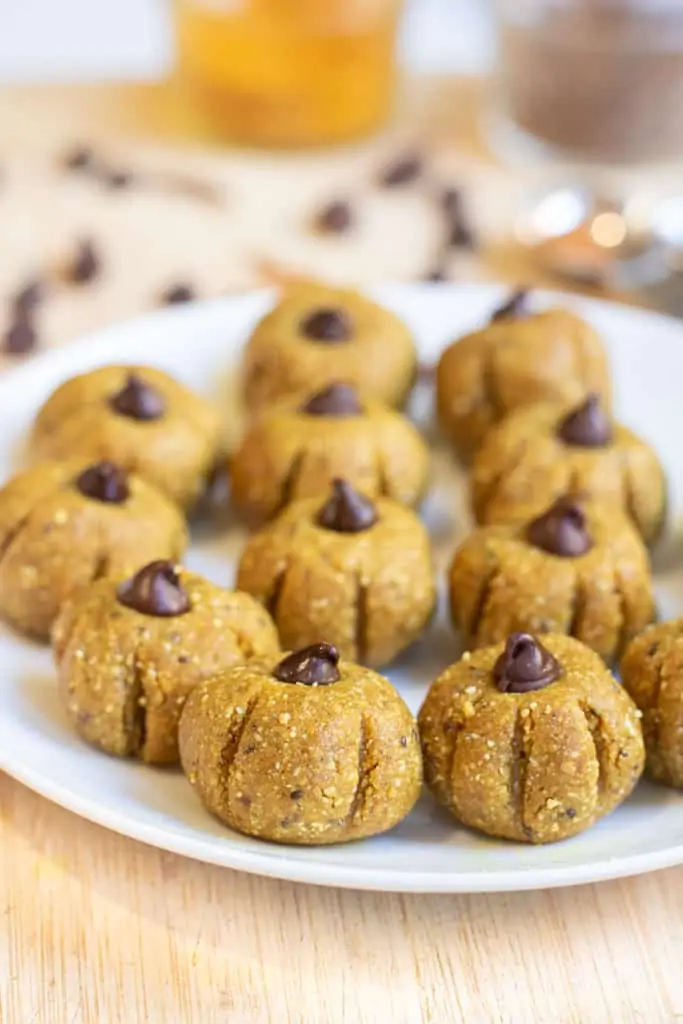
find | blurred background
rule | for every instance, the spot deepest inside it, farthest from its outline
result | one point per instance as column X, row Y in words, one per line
column 154, row 151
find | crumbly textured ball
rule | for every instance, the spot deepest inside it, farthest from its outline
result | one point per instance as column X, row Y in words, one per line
column 124, row 676
column 290, row 351
column 523, row 465
column 535, row 767
column 54, row 540
column 652, row 673
column 289, row 454
column 370, row 593
column 552, row 355
column 500, row 582
column 302, row 764
column 167, row 434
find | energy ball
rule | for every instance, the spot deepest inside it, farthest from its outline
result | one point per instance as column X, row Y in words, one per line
column 520, row 358
column 318, row 334
column 540, row 454
column 309, row 750
column 354, row 570
column 65, row 524
column 532, row 740
column 295, row 448
column 140, row 418
column 579, row 568
column 129, row 653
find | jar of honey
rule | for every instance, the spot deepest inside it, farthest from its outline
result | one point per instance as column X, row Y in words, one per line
column 289, row 72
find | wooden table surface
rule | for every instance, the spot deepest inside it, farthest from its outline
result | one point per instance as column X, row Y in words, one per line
column 101, row 929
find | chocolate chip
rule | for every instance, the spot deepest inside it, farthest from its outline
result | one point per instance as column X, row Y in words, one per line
column 335, row 218
column 335, row 400
column 525, row 665
column 178, row 293
column 450, row 200
column 561, row 530
column 436, row 274
column 329, row 325
column 570, row 812
column 652, row 650
column 587, row 426
column 86, row 263
column 459, row 234
column 404, row 741
column 104, row 481
column 138, row 400
column 20, row 337
column 346, row 511
column 155, row 590
column 296, row 794
column 402, row 171
column 29, row 296
column 515, row 308
column 80, row 158
column 312, row 666
column 116, row 178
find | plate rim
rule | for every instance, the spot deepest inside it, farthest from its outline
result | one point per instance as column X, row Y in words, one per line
column 263, row 862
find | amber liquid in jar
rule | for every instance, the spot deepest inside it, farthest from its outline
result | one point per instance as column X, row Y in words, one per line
column 289, row 72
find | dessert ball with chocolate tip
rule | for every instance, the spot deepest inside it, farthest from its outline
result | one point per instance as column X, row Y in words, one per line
column 532, row 739
column 652, row 673
column 295, row 448
column 579, row 568
column 354, row 570
column 520, row 358
column 128, row 653
column 549, row 450
column 308, row 750
column 142, row 419
column 65, row 524
column 318, row 334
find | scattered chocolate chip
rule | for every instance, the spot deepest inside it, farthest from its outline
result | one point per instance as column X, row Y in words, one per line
column 80, row 158
column 178, row 293
column 244, row 799
column 402, row 171
column 155, row 590
column 335, row 400
column 20, row 337
column 138, row 400
column 570, row 812
column 116, row 178
column 183, row 659
column 346, row 510
column 86, row 263
column 436, row 274
column 335, row 218
column 404, row 741
column 450, row 200
column 587, row 426
column 313, row 666
column 459, row 234
column 330, row 325
column 29, row 296
column 561, row 530
column 104, row 481
column 296, row 794
column 525, row 665
column 515, row 308
column 652, row 650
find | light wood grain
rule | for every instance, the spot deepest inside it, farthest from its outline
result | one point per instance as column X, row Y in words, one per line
column 97, row 928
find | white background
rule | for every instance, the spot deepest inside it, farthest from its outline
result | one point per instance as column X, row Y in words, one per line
column 67, row 40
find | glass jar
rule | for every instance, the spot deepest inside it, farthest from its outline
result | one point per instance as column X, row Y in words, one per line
column 289, row 72
column 594, row 80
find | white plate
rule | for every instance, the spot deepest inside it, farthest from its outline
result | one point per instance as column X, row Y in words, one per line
column 428, row 852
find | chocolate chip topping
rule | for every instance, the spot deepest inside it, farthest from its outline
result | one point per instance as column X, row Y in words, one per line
column 587, row 426
column 525, row 665
column 312, row 666
column 346, row 511
column 561, row 530
column 138, row 400
column 515, row 308
column 155, row 590
column 104, row 481
column 29, row 296
column 176, row 294
column 335, row 400
column 86, row 263
column 327, row 325
column 20, row 337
